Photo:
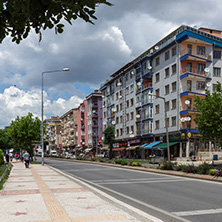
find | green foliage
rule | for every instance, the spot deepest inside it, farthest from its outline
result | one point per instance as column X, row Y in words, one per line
column 191, row 169
column 4, row 169
column 135, row 164
column 93, row 159
column 204, row 168
column 109, row 135
column 19, row 17
column 212, row 172
column 182, row 167
column 24, row 131
column 101, row 160
column 122, row 162
column 6, row 141
column 167, row 165
column 1, row 157
column 209, row 120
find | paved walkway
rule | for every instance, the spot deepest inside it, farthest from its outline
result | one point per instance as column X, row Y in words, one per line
column 40, row 194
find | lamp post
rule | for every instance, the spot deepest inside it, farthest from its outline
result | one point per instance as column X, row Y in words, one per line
column 167, row 134
column 42, row 109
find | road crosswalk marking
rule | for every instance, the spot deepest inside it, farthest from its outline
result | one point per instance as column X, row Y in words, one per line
column 198, row 212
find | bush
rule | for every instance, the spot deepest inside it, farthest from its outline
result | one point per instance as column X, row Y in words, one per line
column 1, row 157
column 93, row 159
column 79, row 158
column 135, row 164
column 122, row 162
column 191, row 169
column 182, row 167
column 219, row 173
column 204, row 168
column 101, row 160
column 168, row 165
column 212, row 172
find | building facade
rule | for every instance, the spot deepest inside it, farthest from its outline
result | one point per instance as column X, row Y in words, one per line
column 164, row 80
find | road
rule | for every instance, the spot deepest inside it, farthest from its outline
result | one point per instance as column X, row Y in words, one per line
column 170, row 198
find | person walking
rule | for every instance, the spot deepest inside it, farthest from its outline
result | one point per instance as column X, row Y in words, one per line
column 11, row 156
column 26, row 157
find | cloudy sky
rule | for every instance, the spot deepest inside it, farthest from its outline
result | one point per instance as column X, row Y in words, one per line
column 92, row 52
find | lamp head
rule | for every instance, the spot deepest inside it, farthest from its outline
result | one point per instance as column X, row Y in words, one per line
column 65, row 69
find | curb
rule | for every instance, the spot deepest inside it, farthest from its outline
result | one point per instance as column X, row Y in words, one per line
column 3, row 175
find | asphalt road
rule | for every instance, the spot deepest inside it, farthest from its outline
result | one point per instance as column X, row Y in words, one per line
column 170, row 198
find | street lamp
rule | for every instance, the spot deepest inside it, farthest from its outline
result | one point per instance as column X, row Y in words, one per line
column 167, row 134
column 42, row 110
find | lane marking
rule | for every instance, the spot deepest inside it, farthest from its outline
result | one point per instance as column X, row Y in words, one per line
column 55, row 209
column 90, row 169
column 198, row 212
column 152, row 181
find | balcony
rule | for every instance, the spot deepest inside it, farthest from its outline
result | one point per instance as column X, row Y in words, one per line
column 192, row 91
column 147, row 85
column 196, row 55
column 192, row 72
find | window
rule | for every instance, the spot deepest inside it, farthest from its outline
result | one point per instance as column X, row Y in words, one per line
column 167, row 89
column 157, row 108
column 127, row 104
column 167, row 106
column 167, row 55
column 173, row 121
column 131, row 102
column 117, row 120
column 121, row 107
column 157, row 124
column 174, row 104
column 174, row 52
column 121, row 131
column 200, row 68
column 117, row 108
column 131, row 88
column 131, row 115
column 127, row 76
column 200, row 85
column 104, row 114
column 174, row 86
column 157, row 61
column 200, row 50
column 117, row 95
column 167, row 72
column 157, row 92
column 167, row 122
column 117, row 132
column 132, row 129
column 174, row 69
column 127, row 130
column 217, row 54
column 127, row 117
column 131, row 74
column 157, row 77
column 217, row 72
column 127, row 90
column 121, row 119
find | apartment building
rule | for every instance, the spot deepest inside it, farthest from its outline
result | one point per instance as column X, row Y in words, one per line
column 69, row 130
column 53, row 136
column 164, row 80
column 90, row 121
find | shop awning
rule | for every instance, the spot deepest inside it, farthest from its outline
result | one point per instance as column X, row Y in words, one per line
column 132, row 147
column 164, row 145
column 142, row 146
column 119, row 149
column 151, row 145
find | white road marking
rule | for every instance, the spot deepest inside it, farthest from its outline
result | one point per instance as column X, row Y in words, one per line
column 198, row 212
column 147, row 181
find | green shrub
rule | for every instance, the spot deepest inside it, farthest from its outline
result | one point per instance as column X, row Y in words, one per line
column 182, row 167
column 135, row 164
column 93, row 159
column 218, row 173
column 122, row 162
column 167, row 165
column 118, row 161
column 79, row 158
column 1, row 157
column 204, row 168
column 160, row 167
column 101, row 160
column 191, row 169
column 212, row 172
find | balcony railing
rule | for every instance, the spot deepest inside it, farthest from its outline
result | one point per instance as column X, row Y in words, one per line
column 186, row 107
column 147, row 85
column 193, row 70
column 193, row 52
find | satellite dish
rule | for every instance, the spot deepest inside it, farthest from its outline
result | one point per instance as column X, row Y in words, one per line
column 119, row 84
column 188, row 118
column 120, row 97
column 132, row 72
column 182, row 119
column 113, row 122
column 150, row 67
column 187, row 102
column 138, row 116
column 139, row 84
column 157, row 47
column 208, row 84
column 206, row 70
column 151, row 51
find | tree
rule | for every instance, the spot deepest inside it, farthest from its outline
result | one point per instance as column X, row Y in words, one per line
column 24, row 131
column 209, row 120
column 109, row 135
column 18, row 17
column 6, row 141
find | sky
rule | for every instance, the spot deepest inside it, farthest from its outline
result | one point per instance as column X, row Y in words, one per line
column 91, row 52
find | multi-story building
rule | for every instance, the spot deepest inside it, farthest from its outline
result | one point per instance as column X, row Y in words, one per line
column 90, row 120
column 69, row 130
column 165, row 78
column 53, row 135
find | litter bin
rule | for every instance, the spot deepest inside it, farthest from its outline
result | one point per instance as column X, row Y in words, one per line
column 215, row 157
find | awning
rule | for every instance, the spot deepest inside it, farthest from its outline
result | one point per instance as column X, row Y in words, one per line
column 119, row 149
column 164, row 145
column 151, row 145
column 132, row 147
column 145, row 144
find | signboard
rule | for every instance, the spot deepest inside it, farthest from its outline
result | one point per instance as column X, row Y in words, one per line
column 134, row 141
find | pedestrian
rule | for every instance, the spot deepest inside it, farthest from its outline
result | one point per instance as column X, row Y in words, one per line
column 11, row 156
column 7, row 158
column 16, row 156
column 26, row 157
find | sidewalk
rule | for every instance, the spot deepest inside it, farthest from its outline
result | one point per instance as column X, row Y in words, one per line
column 40, row 194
